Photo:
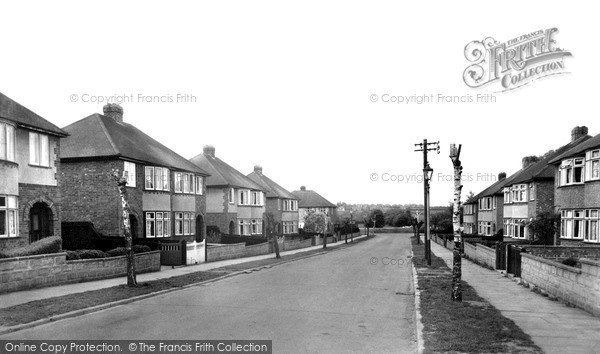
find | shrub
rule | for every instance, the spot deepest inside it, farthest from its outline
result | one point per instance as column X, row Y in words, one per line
column 46, row 245
column 90, row 254
column 571, row 262
column 72, row 255
column 122, row 251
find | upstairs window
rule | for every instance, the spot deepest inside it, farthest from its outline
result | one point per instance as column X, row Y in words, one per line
column 231, row 196
column 129, row 173
column 532, row 191
column 156, row 178
column 592, row 165
column 244, row 197
column 519, row 193
column 199, row 184
column 571, row 171
column 39, row 150
column 7, row 142
column 185, row 183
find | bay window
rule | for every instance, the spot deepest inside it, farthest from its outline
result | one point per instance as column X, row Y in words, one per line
column 573, row 223
column 571, row 171
column 591, row 226
column 7, row 142
column 519, row 193
column 158, row 224
column 156, row 178
column 9, row 216
column 592, row 165
column 185, row 223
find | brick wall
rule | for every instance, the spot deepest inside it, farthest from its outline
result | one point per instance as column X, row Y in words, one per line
column 544, row 199
column 90, row 194
column 222, row 220
column 579, row 287
column 221, row 252
column 296, row 244
column 49, row 270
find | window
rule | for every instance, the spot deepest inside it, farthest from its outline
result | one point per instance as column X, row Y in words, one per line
column 486, row 203
column 9, row 216
column 494, row 202
column 157, row 224
column 571, row 171
column 231, row 196
column 516, row 227
column 7, row 142
column 519, row 193
column 531, row 191
column 199, row 185
column 39, row 149
column 244, row 197
column 290, row 205
column 156, row 178
column 129, row 173
column 186, row 183
column 290, row 227
column 507, row 230
column 185, row 223
column 592, row 165
column 485, row 228
column 507, row 199
column 244, row 225
column 591, row 226
column 572, row 223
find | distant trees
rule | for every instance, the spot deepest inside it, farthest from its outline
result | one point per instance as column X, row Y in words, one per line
column 441, row 222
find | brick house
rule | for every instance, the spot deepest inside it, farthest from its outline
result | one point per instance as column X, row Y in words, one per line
column 531, row 193
column 470, row 216
column 29, row 166
column 166, row 192
column 489, row 210
column 235, row 204
column 577, row 192
column 311, row 201
column 281, row 203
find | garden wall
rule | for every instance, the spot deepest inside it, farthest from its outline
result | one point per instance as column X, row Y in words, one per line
column 579, row 287
column 563, row 252
column 480, row 254
column 21, row 273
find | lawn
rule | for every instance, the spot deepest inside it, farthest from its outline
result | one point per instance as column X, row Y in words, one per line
column 470, row 326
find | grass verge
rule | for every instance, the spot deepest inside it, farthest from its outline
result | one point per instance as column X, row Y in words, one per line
column 470, row 326
column 45, row 308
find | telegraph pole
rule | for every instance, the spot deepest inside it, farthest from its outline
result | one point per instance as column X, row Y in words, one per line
column 425, row 147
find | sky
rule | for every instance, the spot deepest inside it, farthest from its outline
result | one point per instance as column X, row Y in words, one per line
column 304, row 89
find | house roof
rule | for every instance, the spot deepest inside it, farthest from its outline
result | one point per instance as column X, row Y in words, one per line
column 98, row 136
column 579, row 149
column 311, row 199
column 273, row 190
column 13, row 111
column 222, row 174
column 542, row 169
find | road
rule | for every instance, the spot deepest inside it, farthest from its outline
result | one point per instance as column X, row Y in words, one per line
column 353, row 299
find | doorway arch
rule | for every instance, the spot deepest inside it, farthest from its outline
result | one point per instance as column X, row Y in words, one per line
column 232, row 228
column 133, row 225
column 41, row 221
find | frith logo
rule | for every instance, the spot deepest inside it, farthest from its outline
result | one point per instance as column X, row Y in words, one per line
column 516, row 62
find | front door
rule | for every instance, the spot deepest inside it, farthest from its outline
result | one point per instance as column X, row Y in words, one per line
column 40, row 217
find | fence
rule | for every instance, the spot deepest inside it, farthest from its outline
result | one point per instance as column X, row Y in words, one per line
column 195, row 252
column 173, row 253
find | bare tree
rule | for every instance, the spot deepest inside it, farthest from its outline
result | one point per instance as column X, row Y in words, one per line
column 271, row 225
column 121, row 183
column 456, row 260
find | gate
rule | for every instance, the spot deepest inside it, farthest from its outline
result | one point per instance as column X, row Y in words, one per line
column 501, row 255
column 173, row 253
column 513, row 258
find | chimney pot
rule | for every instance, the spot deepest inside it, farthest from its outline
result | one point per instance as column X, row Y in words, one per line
column 258, row 169
column 113, row 111
column 302, row 188
column 209, row 150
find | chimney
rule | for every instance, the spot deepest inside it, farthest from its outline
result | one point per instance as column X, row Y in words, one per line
column 113, row 111
column 529, row 160
column 501, row 176
column 302, row 188
column 209, row 150
column 258, row 170
column 578, row 132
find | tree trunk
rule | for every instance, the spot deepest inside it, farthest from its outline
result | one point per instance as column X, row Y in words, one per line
column 276, row 246
column 121, row 183
column 456, row 259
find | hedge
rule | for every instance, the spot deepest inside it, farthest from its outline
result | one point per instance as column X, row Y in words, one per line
column 115, row 252
column 46, row 245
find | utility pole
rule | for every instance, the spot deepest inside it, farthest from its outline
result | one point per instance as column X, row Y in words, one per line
column 427, row 171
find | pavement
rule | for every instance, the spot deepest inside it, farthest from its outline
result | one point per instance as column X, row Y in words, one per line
column 22, row 297
column 357, row 299
column 553, row 326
